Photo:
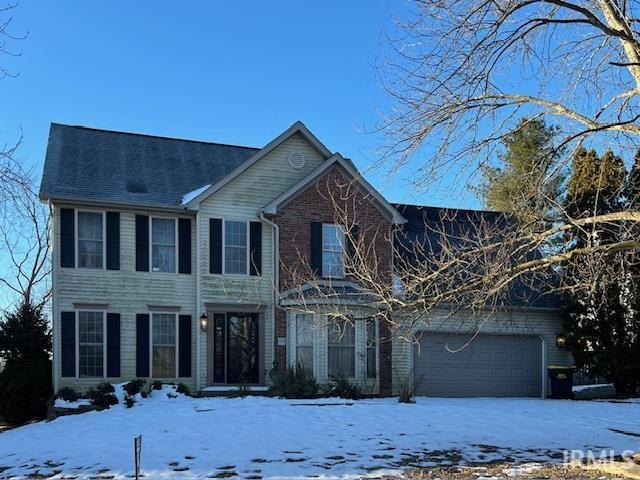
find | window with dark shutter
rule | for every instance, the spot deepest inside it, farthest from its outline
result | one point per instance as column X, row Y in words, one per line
column 113, row 241
column 184, row 245
column 142, row 345
column 215, row 245
column 255, row 247
column 67, row 238
column 316, row 247
column 142, row 243
column 113, row 345
column 184, row 346
column 68, row 337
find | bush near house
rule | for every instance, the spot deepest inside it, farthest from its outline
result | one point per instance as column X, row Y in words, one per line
column 296, row 382
column 102, row 395
column 68, row 394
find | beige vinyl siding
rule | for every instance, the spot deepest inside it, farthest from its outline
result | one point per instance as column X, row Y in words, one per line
column 126, row 292
column 543, row 323
column 242, row 199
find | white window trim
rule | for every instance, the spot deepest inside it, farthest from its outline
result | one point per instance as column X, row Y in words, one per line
column 175, row 236
column 175, row 315
column 355, row 351
column 77, row 240
column 104, row 341
column 322, row 250
column 224, row 247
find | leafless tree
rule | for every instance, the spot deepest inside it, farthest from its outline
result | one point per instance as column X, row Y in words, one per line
column 463, row 73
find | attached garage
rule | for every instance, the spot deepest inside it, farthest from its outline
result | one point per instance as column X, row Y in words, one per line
column 488, row 366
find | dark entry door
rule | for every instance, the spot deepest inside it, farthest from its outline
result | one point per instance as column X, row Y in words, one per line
column 235, row 348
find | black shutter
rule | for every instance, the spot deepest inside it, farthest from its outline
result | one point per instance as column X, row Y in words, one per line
column 184, row 346
column 68, row 334
column 352, row 241
column 67, row 238
column 184, row 245
column 113, row 345
column 142, row 345
column 316, row 247
column 255, row 247
column 113, row 241
column 142, row 243
column 215, row 245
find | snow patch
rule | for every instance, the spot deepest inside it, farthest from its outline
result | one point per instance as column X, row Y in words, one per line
column 582, row 388
column 81, row 402
column 187, row 197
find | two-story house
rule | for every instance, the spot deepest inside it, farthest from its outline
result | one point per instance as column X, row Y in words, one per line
column 181, row 261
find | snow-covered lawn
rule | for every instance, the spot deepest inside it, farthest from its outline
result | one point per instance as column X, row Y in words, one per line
column 258, row 437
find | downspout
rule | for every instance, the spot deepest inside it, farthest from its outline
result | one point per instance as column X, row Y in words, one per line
column 276, row 268
column 54, row 295
column 198, row 301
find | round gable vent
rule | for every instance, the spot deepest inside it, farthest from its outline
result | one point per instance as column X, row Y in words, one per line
column 296, row 160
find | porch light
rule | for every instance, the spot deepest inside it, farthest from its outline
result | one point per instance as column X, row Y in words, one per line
column 561, row 341
column 203, row 322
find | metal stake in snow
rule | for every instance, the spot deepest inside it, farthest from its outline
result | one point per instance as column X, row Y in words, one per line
column 137, row 447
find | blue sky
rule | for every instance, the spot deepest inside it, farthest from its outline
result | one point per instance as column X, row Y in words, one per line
column 232, row 72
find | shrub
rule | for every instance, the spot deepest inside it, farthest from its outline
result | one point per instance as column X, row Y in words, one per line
column 296, row 382
column 184, row 389
column 68, row 394
column 102, row 395
column 406, row 390
column 136, row 386
column 129, row 401
column 157, row 385
column 344, row 389
column 25, row 382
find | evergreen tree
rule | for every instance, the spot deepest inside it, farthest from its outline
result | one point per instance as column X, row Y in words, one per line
column 25, row 382
column 522, row 184
column 601, row 319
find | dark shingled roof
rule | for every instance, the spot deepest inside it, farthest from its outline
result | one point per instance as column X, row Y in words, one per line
column 424, row 225
column 118, row 167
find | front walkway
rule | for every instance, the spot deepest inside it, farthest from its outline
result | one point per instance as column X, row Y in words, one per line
column 258, row 437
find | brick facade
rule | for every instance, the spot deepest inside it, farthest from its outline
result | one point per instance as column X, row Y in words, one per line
column 317, row 203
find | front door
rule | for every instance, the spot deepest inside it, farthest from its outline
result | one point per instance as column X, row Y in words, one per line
column 235, row 348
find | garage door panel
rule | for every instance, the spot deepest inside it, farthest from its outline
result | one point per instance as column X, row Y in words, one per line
column 491, row 365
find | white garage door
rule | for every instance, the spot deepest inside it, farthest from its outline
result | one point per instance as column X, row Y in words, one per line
column 490, row 366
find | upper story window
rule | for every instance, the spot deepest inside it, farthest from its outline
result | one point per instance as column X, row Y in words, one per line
column 163, row 245
column 90, row 240
column 332, row 251
column 236, row 250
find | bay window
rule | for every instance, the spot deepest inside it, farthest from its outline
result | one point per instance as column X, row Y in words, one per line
column 342, row 349
column 304, row 341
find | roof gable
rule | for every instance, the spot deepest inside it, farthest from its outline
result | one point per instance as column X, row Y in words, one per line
column 297, row 128
column 347, row 166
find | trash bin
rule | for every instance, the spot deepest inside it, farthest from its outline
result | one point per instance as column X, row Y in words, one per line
column 561, row 380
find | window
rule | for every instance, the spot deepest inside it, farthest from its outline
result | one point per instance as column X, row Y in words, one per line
column 304, row 341
column 163, row 245
column 332, row 251
column 371, row 348
column 163, row 332
column 90, row 344
column 235, row 247
column 342, row 350
column 90, row 241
